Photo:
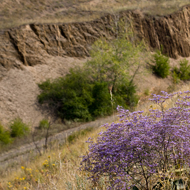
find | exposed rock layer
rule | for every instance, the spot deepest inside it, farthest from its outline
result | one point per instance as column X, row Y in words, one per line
column 31, row 44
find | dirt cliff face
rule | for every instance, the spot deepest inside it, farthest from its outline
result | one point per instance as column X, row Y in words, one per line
column 31, row 44
column 171, row 31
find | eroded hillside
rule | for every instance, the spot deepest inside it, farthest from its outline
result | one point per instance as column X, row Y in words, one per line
column 32, row 53
column 31, row 44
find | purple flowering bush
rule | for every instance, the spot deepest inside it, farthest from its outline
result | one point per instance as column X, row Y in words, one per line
column 142, row 149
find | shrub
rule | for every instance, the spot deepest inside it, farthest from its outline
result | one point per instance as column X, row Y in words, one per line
column 162, row 67
column 69, row 96
column 18, row 128
column 125, row 95
column 76, row 97
column 101, row 104
column 183, row 72
column 143, row 149
column 112, row 60
column 83, row 94
column 44, row 124
column 4, row 136
column 175, row 76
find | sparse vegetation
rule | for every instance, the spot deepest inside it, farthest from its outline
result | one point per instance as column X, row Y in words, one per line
column 183, row 73
column 59, row 168
column 44, row 124
column 84, row 96
column 76, row 135
column 147, row 92
column 19, row 12
column 4, row 136
column 18, row 128
column 161, row 67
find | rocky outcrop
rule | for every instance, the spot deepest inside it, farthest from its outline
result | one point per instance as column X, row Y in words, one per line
column 171, row 31
column 30, row 44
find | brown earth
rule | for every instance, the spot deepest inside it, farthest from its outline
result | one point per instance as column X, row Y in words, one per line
column 32, row 53
column 19, row 89
column 31, row 44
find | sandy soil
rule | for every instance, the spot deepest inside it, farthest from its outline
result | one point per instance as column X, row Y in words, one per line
column 19, row 89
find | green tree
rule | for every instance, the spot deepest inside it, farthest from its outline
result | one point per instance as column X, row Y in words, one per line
column 101, row 104
column 86, row 93
column 112, row 60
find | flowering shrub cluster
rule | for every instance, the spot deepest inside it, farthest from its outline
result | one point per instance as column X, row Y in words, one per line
column 142, row 148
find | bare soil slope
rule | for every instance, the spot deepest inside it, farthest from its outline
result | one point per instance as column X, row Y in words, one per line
column 19, row 89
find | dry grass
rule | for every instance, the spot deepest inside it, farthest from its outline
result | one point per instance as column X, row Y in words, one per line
column 38, row 134
column 145, row 105
column 59, row 168
column 14, row 13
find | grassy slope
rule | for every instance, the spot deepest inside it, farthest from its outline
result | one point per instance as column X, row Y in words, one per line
column 14, row 13
column 59, row 167
column 69, row 159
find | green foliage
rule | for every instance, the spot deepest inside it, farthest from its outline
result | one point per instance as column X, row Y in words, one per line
column 125, row 96
column 175, row 76
column 4, row 136
column 112, row 60
column 76, row 97
column 85, row 100
column 162, row 67
column 69, row 96
column 44, row 124
column 183, row 72
column 18, row 128
column 101, row 104
column 99, row 87
column 71, row 138
column 45, row 86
